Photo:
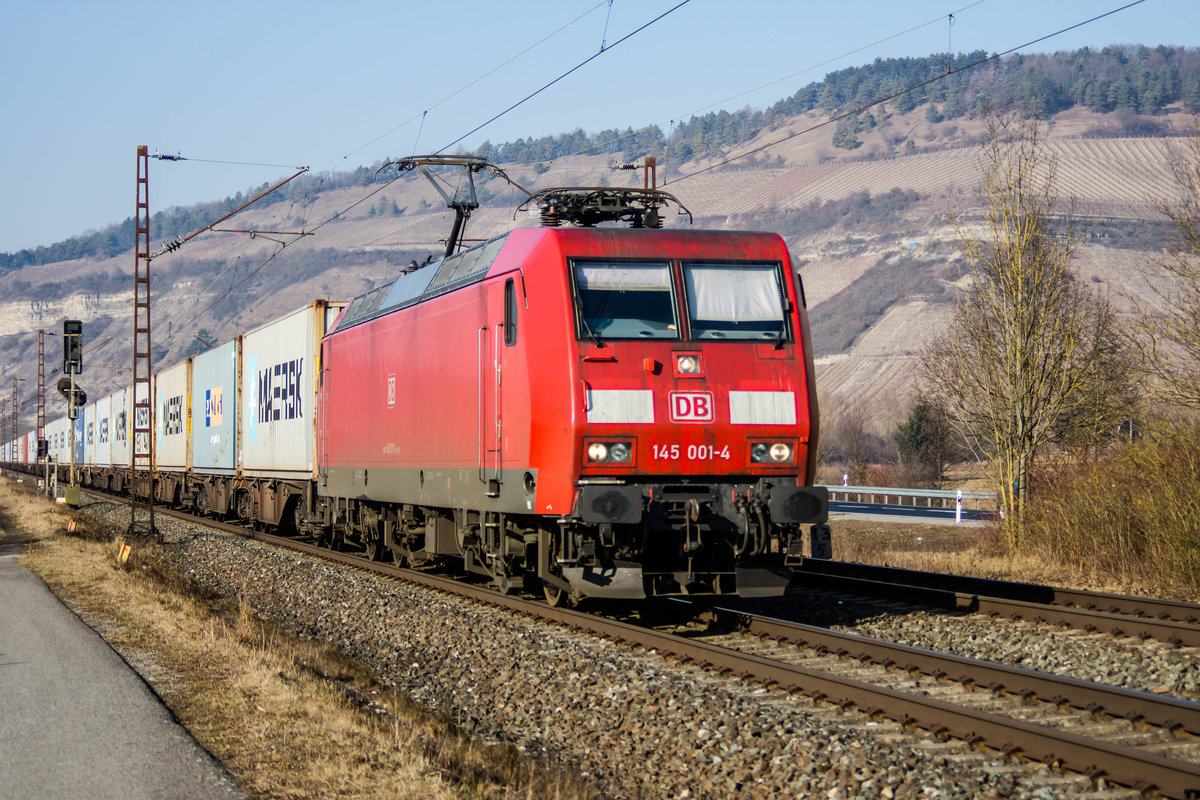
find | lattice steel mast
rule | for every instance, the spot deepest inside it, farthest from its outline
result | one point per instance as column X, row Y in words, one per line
column 141, row 441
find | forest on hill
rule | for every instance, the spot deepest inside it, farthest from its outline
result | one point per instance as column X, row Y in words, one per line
column 1133, row 79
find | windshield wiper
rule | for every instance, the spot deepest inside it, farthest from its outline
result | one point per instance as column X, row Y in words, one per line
column 588, row 330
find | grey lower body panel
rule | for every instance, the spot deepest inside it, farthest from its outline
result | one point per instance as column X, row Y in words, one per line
column 440, row 488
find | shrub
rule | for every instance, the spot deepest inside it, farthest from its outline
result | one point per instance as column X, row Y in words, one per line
column 1132, row 516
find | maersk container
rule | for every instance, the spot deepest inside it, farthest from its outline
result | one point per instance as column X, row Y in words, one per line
column 173, row 417
column 119, row 426
column 215, row 410
column 88, row 414
column 104, row 431
column 278, row 403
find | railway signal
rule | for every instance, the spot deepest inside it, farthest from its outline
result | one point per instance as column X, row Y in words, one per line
column 76, row 397
column 72, row 347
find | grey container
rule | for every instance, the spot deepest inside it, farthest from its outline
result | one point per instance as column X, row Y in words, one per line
column 215, row 410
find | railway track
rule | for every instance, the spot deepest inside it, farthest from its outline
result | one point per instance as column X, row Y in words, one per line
column 1169, row 621
column 1131, row 738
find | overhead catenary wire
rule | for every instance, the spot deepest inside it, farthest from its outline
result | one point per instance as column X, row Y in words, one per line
column 571, row 71
column 829, row 61
column 376, row 190
column 894, row 95
column 723, row 162
column 468, row 85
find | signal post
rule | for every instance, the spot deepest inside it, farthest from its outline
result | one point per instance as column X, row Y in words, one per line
column 76, row 397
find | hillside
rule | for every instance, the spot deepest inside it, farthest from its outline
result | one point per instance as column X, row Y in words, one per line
column 868, row 227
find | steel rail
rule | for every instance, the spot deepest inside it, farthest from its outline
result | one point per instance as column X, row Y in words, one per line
column 1152, row 607
column 1163, row 711
column 1166, row 630
column 1118, row 763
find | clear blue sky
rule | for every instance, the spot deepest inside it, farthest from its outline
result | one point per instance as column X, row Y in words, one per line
column 336, row 85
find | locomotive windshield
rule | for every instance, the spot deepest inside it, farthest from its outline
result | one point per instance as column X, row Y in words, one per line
column 625, row 300
column 727, row 301
column 733, row 301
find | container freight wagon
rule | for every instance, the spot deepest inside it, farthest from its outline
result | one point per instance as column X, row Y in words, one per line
column 616, row 413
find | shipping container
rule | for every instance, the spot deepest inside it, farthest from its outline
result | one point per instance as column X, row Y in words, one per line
column 279, row 365
column 88, row 415
column 140, row 417
column 172, row 417
column 57, row 434
column 79, row 439
column 104, row 431
column 215, row 410
column 119, row 414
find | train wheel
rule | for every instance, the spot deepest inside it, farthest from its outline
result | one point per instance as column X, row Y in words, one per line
column 373, row 543
column 557, row 598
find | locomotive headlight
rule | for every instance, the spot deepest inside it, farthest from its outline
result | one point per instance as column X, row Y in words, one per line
column 610, row 452
column 771, row 453
column 687, row 365
column 781, row 452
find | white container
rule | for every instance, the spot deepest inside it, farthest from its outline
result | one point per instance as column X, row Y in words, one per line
column 278, row 403
column 58, row 433
column 88, row 413
column 173, row 417
column 119, row 425
column 104, row 431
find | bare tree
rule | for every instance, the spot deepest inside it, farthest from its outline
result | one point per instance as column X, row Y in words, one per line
column 851, row 442
column 1170, row 332
column 1027, row 342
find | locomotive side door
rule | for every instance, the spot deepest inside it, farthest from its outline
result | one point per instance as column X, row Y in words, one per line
column 497, row 337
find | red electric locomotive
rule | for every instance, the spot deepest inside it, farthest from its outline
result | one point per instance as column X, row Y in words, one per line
column 605, row 412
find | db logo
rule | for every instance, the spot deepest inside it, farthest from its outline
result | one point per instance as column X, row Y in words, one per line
column 691, row 407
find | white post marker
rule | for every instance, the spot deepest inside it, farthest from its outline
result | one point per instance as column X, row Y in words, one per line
column 958, row 508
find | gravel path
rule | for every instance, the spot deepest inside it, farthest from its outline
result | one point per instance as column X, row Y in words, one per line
column 641, row 725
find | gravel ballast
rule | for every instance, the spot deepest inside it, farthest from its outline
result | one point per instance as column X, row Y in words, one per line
column 640, row 725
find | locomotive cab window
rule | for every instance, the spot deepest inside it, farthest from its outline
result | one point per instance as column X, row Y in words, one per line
column 624, row 300
column 735, row 301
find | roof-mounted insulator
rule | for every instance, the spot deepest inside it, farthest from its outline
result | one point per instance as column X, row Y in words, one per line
column 587, row 206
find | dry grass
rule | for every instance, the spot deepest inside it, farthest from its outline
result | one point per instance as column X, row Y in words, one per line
column 290, row 718
column 981, row 552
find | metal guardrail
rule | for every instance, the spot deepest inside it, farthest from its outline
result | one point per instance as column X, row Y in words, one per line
column 929, row 498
